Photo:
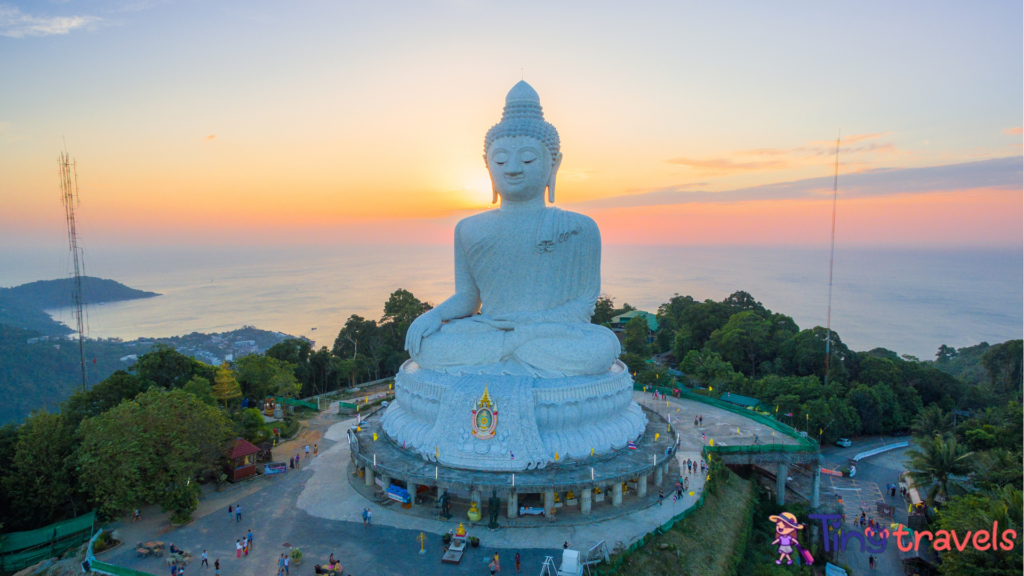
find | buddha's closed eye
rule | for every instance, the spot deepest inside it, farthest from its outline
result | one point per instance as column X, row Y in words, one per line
column 501, row 158
column 527, row 156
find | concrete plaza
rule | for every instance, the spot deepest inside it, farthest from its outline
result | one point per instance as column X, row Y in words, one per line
column 317, row 510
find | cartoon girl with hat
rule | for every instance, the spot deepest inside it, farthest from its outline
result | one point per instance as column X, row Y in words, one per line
column 786, row 526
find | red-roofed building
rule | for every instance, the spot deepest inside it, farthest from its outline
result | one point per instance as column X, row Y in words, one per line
column 241, row 460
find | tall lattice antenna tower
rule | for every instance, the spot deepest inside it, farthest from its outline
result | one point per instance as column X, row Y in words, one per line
column 68, row 171
column 831, row 258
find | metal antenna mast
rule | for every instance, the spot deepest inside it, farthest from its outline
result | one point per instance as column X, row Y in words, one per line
column 68, row 171
column 831, row 259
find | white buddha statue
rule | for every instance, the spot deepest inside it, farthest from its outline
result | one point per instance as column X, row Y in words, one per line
column 527, row 275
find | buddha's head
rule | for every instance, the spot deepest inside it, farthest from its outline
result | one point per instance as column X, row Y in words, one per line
column 522, row 151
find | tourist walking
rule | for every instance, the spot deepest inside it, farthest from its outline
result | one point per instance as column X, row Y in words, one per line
column 280, row 564
column 245, row 547
column 249, row 537
column 701, row 419
column 369, row 516
column 287, row 562
column 661, row 497
column 238, row 513
column 307, row 450
column 238, row 548
column 366, row 516
column 136, row 516
column 316, row 450
column 518, row 561
column 231, row 512
column 205, row 562
column 216, row 567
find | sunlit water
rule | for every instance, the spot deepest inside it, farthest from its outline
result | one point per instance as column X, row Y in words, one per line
column 908, row 301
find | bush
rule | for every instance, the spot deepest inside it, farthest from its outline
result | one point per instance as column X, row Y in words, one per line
column 296, row 554
column 182, row 502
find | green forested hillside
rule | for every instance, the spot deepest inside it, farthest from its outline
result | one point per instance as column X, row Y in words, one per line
column 43, row 374
column 23, row 306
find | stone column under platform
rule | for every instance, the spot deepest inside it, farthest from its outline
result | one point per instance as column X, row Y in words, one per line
column 586, row 500
column 549, row 500
column 782, row 472
column 816, row 486
column 385, row 482
column 368, row 475
column 412, row 492
column 641, row 486
column 617, row 494
column 658, row 475
column 513, row 505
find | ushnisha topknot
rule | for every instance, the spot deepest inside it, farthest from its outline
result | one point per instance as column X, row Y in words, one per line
column 523, row 116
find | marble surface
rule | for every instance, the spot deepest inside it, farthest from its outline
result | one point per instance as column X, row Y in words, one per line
column 537, row 418
column 527, row 277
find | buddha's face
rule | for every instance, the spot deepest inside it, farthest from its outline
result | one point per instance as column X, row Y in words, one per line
column 520, row 167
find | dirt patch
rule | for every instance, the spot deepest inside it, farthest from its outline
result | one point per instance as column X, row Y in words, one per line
column 705, row 543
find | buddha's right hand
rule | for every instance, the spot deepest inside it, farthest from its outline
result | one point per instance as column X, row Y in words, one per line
column 427, row 323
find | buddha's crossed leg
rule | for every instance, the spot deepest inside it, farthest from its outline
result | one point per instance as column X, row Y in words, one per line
column 570, row 349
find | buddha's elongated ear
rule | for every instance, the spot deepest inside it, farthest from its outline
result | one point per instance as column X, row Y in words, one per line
column 494, row 190
column 551, row 178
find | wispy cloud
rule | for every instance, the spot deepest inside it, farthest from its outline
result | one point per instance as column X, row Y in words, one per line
column 767, row 159
column 999, row 173
column 16, row 24
column 1013, row 131
column 211, row 137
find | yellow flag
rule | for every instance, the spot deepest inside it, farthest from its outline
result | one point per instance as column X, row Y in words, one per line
column 591, row 451
column 556, row 456
column 776, row 408
column 374, row 436
column 437, row 452
column 358, row 429
column 711, row 389
column 691, row 493
column 820, row 431
column 677, row 409
column 666, row 403
column 656, row 376
column 656, row 436
column 390, row 385
column 712, row 441
column 669, row 427
column 738, row 430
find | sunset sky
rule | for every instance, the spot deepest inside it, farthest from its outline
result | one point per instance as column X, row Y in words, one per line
column 681, row 123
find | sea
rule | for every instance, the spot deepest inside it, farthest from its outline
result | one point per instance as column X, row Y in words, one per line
column 906, row 300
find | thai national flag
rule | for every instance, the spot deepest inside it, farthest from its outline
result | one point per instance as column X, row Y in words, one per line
column 790, row 414
column 632, row 446
column 512, row 455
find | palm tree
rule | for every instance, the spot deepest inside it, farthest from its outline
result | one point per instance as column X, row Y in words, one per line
column 933, row 466
column 931, row 421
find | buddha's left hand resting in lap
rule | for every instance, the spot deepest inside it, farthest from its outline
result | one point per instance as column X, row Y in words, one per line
column 527, row 276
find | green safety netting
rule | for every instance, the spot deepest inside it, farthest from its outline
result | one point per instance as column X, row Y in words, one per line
column 19, row 550
column 294, row 402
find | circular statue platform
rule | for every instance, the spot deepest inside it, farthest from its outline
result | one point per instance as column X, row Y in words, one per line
column 381, row 462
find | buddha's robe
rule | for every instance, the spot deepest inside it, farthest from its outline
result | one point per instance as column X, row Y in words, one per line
column 542, row 270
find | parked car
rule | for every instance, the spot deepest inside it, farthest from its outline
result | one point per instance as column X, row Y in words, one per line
column 844, row 443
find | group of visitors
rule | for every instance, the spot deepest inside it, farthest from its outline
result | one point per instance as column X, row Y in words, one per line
column 367, row 516
column 243, row 545
column 236, row 512
column 691, row 466
column 284, row 565
column 333, row 567
column 698, row 420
